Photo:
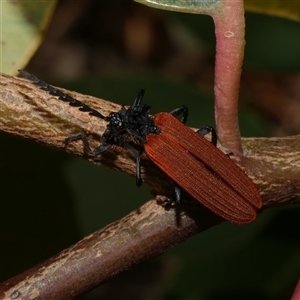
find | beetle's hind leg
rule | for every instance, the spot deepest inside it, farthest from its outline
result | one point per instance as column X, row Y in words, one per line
column 182, row 110
column 206, row 130
column 86, row 144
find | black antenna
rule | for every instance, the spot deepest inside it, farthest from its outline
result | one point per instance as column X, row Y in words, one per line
column 61, row 95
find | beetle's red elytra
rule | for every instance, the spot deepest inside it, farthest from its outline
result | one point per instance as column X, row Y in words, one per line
column 202, row 170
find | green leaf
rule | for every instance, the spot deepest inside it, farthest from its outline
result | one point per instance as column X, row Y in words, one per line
column 281, row 8
column 23, row 24
column 190, row 6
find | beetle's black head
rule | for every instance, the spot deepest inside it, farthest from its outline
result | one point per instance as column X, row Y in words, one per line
column 134, row 121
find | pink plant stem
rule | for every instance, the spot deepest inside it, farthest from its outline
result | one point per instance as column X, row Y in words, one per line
column 230, row 42
column 296, row 294
column 228, row 16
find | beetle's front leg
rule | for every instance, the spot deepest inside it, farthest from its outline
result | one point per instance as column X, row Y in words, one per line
column 86, row 144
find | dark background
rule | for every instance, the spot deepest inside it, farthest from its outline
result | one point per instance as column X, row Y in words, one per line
column 111, row 49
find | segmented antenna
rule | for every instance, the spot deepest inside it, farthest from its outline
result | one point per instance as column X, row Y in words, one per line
column 61, row 95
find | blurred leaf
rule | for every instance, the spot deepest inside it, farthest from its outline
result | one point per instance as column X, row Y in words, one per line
column 280, row 8
column 272, row 43
column 23, row 24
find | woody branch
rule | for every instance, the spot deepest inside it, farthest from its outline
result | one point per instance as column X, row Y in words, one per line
column 28, row 112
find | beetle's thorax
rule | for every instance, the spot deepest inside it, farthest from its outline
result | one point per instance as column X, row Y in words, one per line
column 134, row 121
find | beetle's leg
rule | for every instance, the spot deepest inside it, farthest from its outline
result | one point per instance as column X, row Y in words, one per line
column 137, row 157
column 181, row 110
column 83, row 138
column 208, row 129
column 176, row 196
column 103, row 147
column 86, row 145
